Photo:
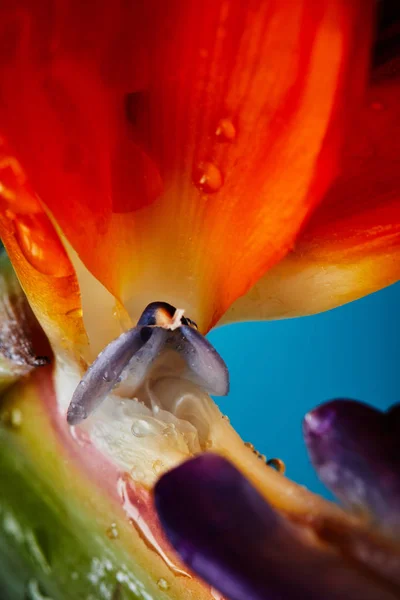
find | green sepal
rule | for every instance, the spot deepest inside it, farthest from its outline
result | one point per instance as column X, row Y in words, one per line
column 48, row 547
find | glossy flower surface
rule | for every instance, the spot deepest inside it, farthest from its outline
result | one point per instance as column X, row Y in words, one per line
column 178, row 148
column 210, row 159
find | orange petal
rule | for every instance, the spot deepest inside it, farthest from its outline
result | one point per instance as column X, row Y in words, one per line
column 351, row 245
column 180, row 145
column 38, row 256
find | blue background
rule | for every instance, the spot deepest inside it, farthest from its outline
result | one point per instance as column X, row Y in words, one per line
column 281, row 369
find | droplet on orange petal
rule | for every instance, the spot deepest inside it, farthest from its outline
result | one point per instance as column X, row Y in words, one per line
column 225, row 131
column 33, row 230
column 208, row 177
column 38, row 256
column 40, row 246
column 13, row 186
column 142, row 92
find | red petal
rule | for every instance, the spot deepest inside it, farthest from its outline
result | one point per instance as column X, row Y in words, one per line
column 351, row 245
column 38, row 256
column 181, row 145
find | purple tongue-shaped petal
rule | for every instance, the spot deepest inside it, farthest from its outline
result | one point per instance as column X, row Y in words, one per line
column 104, row 372
column 225, row 532
column 205, row 366
column 134, row 353
column 356, row 452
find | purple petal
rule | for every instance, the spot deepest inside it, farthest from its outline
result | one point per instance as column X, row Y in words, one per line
column 226, row 533
column 134, row 352
column 355, row 450
column 206, row 367
column 104, row 372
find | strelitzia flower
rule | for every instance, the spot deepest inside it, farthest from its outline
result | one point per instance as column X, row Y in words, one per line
column 165, row 167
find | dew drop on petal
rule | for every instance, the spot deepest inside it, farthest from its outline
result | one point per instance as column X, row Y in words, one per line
column 112, row 532
column 277, row 464
column 106, row 376
column 225, row 130
column 145, row 427
column 75, row 313
column 40, row 245
column 207, row 177
column 163, row 584
column 170, row 431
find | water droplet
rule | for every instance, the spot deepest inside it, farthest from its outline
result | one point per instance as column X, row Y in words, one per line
column 207, row 177
column 226, row 418
column 112, row 532
column 134, row 513
column 77, row 411
column 170, row 431
column 16, row 418
column 277, row 464
column 157, row 467
column 145, row 427
column 163, row 584
column 106, row 376
column 40, row 245
column 225, row 130
column 74, row 313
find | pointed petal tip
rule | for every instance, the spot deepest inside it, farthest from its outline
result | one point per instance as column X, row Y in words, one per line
column 355, row 451
column 315, row 424
column 207, row 367
column 76, row 414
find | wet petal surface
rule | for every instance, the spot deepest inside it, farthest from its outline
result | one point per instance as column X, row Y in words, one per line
column 205, row 366
column 137, row 132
